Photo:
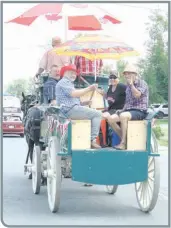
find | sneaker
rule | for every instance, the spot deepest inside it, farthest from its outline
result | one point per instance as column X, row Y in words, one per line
column 121, row 146
column 94, row 145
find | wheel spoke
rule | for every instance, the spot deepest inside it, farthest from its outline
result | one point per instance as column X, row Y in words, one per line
column 150, row 188
column 140, row 186
column 144, row 191
column 150, row 162
column 150, row 171
column 148, row 194
column 141, row 193
column 151, row 178
column 145, row 195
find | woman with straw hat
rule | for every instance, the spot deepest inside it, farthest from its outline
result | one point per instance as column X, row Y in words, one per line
column 136, row 104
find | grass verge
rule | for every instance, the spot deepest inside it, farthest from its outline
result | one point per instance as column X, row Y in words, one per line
column 163, row 141
column 164, row 121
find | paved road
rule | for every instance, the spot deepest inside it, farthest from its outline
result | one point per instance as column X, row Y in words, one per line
column 79, row 205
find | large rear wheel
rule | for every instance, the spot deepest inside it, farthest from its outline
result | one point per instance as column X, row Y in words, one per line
column 147, row 191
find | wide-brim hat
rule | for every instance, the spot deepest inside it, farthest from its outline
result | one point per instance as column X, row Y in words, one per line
column 70, row 67
column 130, row 68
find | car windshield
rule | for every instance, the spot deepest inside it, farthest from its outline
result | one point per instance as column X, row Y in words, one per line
column 155, row 106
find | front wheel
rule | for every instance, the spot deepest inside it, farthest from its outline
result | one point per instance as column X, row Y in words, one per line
column 36, row 170
column 53, row 174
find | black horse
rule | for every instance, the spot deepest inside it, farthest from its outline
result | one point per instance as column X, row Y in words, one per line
column 31, row 118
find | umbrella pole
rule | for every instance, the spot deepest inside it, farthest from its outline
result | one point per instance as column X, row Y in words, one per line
column 65, row 27
column 95, row 69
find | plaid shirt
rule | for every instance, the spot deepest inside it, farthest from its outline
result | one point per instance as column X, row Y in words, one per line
column 86, row 66
column 49, row 90
column 64, row 89
column 137, row 103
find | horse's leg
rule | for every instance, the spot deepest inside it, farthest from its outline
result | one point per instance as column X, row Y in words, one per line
column 28, row 153
column 31, row 147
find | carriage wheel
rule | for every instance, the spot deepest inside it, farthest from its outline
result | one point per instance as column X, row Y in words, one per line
column 111, row 189
column 36, row 170
column 147, row 191
column 54, row 174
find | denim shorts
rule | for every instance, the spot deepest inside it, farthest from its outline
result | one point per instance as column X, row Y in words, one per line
column 136, row 114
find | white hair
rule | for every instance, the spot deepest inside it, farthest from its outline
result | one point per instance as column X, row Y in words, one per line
column 68, row 73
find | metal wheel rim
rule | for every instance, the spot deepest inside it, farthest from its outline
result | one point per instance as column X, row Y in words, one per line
column 36, row 177
column 147, row 191
column 50, row 181
column 53, row 182
column 34, row 173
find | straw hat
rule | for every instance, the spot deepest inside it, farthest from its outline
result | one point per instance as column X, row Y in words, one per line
column 130, row 68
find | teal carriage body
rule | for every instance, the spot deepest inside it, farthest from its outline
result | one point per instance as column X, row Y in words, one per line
column 105, row 166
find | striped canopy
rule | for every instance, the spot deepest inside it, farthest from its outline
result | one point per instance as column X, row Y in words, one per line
column 96, row 47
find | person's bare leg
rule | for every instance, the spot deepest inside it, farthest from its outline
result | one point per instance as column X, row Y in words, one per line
column 105, row 115
column 113, row 120
column 124, row 118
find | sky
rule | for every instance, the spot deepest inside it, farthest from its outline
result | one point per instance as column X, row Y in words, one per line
column 24, row 46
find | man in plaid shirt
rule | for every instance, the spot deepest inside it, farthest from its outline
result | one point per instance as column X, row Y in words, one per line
column 87, row 67
column 136, row 104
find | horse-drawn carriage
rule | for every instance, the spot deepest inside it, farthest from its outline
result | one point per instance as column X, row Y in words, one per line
column 62, row 147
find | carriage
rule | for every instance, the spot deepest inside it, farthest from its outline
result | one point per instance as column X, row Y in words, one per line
column 63, row 148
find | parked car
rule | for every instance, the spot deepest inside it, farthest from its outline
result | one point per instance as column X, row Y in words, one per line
column 162, row 110
column 13, row 125
column 12, row 106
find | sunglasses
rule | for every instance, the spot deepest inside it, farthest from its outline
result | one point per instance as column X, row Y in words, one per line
column 113, row 77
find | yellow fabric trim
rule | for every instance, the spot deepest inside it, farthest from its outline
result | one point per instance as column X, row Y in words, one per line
column 97, row 56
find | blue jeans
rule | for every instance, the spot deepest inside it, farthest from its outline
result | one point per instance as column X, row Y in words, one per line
column 45, row 100
column 85, row 113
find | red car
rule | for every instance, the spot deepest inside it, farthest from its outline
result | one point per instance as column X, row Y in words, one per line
column 13, row 125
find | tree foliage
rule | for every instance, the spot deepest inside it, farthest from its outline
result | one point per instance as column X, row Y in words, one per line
column 20, row 85
column 154, row 67
column 120, row 66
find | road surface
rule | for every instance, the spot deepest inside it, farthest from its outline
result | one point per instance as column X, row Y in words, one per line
column 79, row 205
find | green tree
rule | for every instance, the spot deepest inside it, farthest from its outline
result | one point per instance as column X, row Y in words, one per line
column 120, row 66
column 154, row 67
column 20, row 85
column 106, row 69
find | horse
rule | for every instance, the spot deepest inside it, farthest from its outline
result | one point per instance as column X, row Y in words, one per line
column 31, row 119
